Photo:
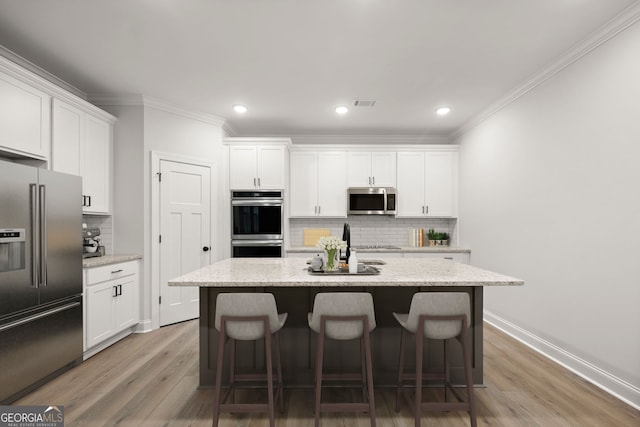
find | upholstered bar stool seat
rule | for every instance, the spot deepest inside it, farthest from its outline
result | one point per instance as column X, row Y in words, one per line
column 247, row 317
column 344, row 316
column 437, row 316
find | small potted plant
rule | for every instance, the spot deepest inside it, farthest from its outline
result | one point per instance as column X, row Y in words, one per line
column 444, row 239
column 432, row 236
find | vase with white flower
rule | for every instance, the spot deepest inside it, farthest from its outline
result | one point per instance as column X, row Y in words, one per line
column 330, row 245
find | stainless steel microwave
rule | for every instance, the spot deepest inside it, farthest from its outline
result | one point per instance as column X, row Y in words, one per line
column 371, row 201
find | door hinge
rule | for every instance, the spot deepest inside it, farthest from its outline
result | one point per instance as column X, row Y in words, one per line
column 159, row 176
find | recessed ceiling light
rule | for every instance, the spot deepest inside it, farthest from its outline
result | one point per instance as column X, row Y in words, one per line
column 443, row 111
column 239, row 108
column 341, row 109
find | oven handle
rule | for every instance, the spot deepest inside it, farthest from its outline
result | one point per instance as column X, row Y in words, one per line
column 256, row 243
column 263, row 202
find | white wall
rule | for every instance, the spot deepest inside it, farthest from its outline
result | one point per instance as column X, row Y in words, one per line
column 550, row 193
column 140, row 130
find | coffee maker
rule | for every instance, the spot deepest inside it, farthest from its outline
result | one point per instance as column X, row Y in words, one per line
column 90, row 243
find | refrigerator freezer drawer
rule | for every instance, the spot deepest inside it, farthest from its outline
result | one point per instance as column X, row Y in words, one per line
column 38, row 347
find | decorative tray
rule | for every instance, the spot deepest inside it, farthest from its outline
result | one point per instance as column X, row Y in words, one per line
column 368, row 270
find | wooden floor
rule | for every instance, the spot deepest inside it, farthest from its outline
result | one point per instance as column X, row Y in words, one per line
column 151, row 380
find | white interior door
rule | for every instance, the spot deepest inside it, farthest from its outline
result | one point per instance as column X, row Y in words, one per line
column 185, row 210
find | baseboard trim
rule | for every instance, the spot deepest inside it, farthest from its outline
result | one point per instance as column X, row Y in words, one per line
column 613, row 385
column 143, row 327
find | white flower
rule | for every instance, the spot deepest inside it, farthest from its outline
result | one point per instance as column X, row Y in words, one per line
column 331, row 242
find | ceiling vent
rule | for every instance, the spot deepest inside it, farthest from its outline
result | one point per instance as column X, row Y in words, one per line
column 364, row 103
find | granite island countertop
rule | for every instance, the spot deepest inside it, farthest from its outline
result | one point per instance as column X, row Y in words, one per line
column 292, row 272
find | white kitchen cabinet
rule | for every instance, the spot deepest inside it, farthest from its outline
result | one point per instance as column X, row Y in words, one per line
column 111, row 301
column 81, row 145
column 96, row 165
column 427, row 184
column 257, row 167
column 318, row 184
column 371, row 169
column 25, row 115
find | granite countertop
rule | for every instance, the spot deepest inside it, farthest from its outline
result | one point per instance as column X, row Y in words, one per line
column 284, row 272
column 401, row 249
column 107, row 259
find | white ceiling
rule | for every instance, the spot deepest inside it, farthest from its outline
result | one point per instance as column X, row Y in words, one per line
column 292, row 61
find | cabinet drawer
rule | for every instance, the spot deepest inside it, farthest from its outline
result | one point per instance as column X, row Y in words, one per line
column 112, row 271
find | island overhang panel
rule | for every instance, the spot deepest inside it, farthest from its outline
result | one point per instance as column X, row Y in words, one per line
column 294, row 289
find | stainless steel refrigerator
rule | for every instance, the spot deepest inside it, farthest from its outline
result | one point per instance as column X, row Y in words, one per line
column 40, row 276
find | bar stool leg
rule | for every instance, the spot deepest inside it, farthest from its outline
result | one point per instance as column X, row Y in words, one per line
column 319, row 361
column 419, row 351
column 232, row 370
column 267, row 339
column 279, row 368
column 447, row 378
column 363, row 370
column 367, row 355
column 216, row 396
column 467, row 369
column 400, row 369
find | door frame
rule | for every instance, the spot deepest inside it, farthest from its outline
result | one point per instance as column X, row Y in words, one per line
column 156, row 158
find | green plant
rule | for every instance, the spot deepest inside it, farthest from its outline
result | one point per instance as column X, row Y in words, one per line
column 432, row 235
column 444, row 236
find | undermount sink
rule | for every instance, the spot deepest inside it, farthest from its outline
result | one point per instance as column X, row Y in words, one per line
column 372, row 262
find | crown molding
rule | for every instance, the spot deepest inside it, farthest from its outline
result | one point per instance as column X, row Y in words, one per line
column 606, row 32
column 25, row 64
column 229, row 130
column 158, row 104
column 369, row 139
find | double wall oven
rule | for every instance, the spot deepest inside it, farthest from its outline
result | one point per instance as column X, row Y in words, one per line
column 256, row 224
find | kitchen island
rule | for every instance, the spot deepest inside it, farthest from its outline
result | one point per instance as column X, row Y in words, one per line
column 295, row 288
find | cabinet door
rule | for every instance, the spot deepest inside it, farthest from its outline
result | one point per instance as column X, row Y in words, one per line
column 439, row 184
column 96, row 165
column 332, row 184
column 359, row 169
column 243, row 162
column 271, row 168
column 383, row 169
column 67, row 124
column 411, row 184
column 100, row 300
column 303, row 185
column 126, row 303
column 25, row 118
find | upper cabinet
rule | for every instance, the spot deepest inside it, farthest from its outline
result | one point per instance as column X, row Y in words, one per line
column 427, row 184
column 371, row 169
column 82, row 145
column 260, row 165
column 24, row 118
column 318, row 184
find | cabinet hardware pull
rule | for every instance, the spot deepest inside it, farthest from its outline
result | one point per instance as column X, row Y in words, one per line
column 119, row 289
column 423, row 209
column 319, row 207
column 448, row 257
column 254, row 182
column 116, row 271
column 373, row 179
column 259, row 185
column 115, row 291
column 205, row 248
column 427, row 208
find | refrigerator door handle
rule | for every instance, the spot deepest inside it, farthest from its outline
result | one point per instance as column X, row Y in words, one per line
column 35, row 232
column 43, row 235
column 38, row 316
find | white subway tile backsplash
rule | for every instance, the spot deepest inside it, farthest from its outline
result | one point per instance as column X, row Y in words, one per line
column 372, row 230
column 105, row 224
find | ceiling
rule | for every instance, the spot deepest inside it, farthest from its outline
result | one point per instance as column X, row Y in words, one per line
column 292, row 61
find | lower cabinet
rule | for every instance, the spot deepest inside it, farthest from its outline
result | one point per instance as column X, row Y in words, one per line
column 111, row 294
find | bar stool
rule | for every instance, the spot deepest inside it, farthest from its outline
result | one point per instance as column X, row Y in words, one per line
column 246, row 317
column 442, row 316
column 344, row 316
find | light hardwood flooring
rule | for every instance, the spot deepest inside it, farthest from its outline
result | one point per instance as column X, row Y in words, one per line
column 151, row 380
